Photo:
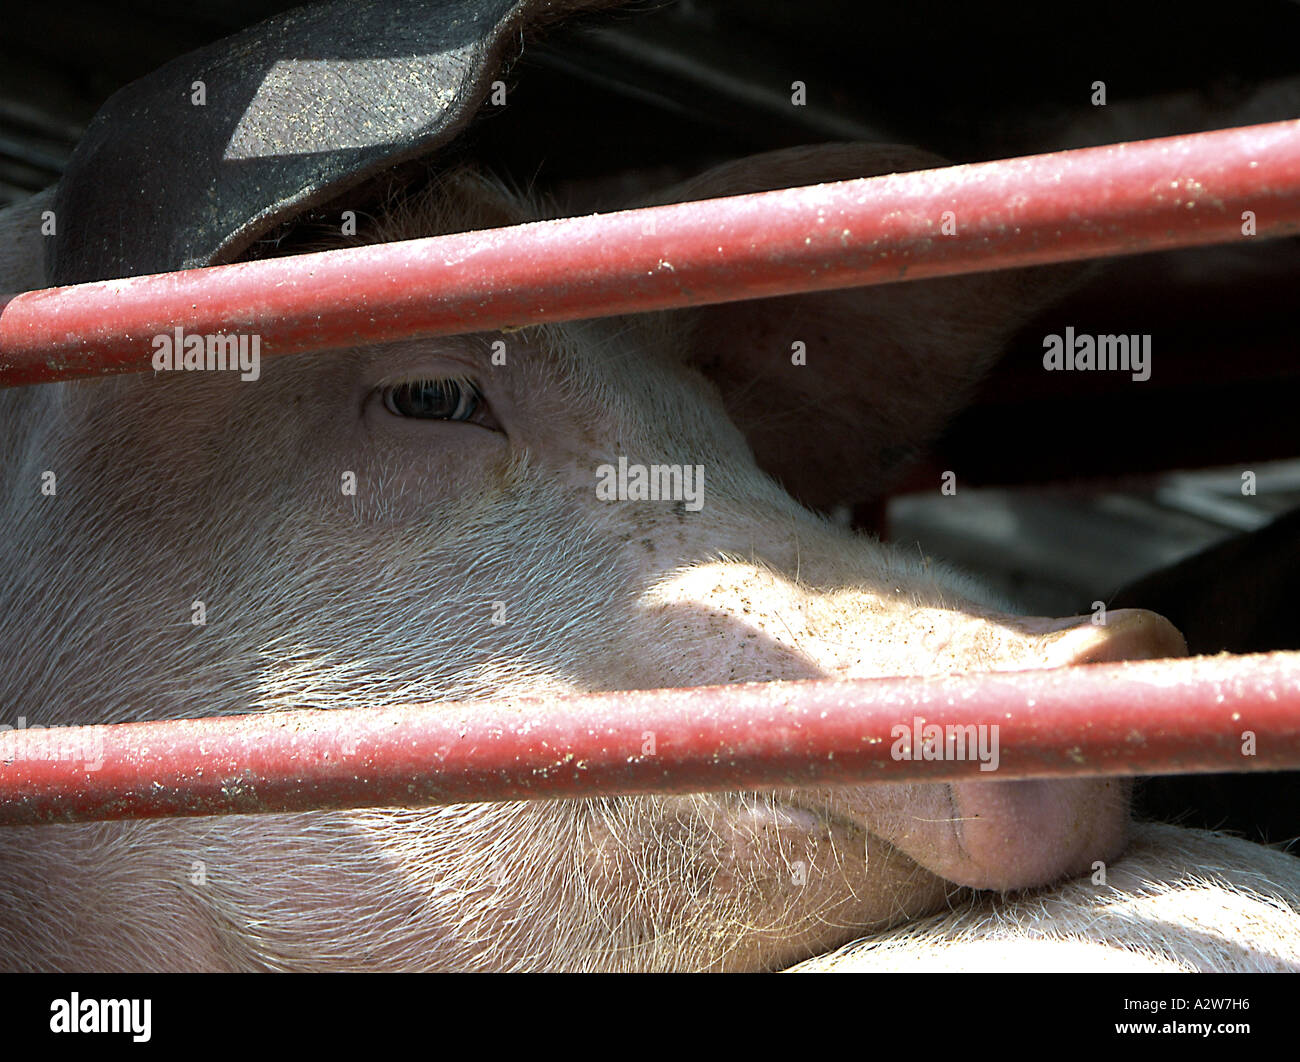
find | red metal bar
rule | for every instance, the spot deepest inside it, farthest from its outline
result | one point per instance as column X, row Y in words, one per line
column 1162, row 716
column 1120, row 199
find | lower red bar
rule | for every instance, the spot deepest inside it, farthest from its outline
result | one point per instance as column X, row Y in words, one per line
column 1149, row 717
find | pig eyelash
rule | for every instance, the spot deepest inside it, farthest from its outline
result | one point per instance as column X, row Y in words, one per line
column 453, row 398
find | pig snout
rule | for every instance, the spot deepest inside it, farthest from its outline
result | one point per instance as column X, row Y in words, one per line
column 1017, row 834
column 981, row 834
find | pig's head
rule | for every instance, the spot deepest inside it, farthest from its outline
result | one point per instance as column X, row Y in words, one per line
column 431, row 520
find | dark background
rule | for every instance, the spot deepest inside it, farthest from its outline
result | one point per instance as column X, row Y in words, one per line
column 686, row 83
column 651, row 91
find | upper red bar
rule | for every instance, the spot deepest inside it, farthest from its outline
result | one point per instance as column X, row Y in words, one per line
column 1120, row 199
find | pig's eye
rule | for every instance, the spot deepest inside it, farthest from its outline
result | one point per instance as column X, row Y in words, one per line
column 434, row 399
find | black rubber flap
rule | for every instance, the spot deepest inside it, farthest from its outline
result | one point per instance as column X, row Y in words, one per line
column 295, row 111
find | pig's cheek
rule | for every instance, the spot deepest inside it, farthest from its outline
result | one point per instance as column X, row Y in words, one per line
column 745, row 859
column 409, row 470
column 702, row 850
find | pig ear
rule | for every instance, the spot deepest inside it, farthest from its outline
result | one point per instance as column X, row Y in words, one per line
column 190, row 164
column 885, row 366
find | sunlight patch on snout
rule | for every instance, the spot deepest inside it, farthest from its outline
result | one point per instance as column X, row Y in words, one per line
column 746, row 599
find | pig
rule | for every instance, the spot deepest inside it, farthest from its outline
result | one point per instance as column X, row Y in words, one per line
column 421, row 521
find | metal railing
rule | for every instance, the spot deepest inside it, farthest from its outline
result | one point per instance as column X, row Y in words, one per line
column 1218, row 713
